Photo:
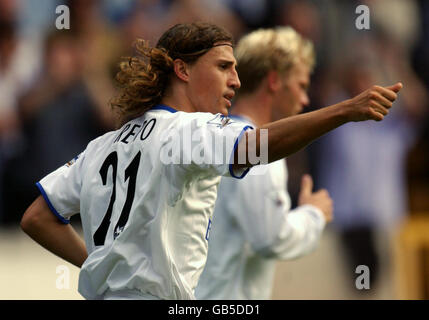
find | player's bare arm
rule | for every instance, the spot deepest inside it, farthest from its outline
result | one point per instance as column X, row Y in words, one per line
column 288, row 135
column 61, row 239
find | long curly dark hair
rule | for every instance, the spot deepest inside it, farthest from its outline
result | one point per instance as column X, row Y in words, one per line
column 144, row 77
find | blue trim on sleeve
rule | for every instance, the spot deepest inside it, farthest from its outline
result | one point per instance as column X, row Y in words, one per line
column 231, row 172
column 164, row 107
column 237, row 117
column 242, row 118
column 45, row 196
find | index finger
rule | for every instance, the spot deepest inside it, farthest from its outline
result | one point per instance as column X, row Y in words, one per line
column 387, row 93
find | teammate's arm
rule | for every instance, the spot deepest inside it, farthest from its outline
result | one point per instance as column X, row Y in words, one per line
column 275, row 231
column 61, row 239
column 287, row 136
column 302, row 227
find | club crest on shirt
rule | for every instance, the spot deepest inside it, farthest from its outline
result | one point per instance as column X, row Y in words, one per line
column 220, row 121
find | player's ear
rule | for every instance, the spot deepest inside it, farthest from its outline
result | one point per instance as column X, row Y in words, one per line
column 181, row 68
column 273, row 81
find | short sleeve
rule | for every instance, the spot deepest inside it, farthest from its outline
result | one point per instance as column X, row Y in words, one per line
column 61, row 189
column 205, row 144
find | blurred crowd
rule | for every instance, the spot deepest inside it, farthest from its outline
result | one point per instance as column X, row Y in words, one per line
column 55, row 87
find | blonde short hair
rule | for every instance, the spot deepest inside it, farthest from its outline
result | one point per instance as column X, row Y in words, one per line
column 264, row 50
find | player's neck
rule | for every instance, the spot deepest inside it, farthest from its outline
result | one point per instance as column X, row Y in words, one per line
column 256, row 107
column 176, row 98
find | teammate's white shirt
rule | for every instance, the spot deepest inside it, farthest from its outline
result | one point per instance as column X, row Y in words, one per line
column 154, row 244
column 253, row 227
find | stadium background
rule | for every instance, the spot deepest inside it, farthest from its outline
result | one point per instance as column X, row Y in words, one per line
column 54, row 91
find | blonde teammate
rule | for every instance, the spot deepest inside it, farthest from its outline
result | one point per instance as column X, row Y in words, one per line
column 253, row 225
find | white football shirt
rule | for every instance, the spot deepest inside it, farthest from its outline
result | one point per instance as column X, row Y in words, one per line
column 252, row 228
column 145, row 194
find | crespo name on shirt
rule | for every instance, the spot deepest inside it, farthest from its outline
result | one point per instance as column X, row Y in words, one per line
column 131, row 131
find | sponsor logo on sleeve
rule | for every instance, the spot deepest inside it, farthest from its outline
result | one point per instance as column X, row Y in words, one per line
column 220, row 121
column 72, row 161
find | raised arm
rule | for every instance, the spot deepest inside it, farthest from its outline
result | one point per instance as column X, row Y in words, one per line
column 291, row 134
